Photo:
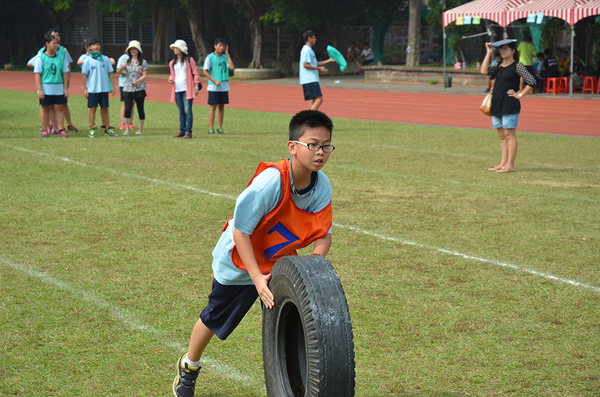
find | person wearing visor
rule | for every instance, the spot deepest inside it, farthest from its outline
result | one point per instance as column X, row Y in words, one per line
column 506, row 98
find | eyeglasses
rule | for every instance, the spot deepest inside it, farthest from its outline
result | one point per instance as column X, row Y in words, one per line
column 313, row 147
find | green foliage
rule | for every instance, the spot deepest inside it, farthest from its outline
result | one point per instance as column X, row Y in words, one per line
column 60, row 5
column 551, row 30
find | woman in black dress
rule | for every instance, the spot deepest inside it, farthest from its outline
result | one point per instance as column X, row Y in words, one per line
column 506, row 100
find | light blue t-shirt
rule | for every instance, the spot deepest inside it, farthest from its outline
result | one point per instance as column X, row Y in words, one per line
column 251, row 206
column 49, row 89
column 122, row 78
column 98, row 73
column 308, row 75
column 211, row 87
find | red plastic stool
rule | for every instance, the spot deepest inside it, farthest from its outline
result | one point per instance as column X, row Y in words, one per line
column 563, row 85
column 552, row 85
column 588, row 85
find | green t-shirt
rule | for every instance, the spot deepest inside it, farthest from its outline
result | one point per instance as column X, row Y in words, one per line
column 220, row 68
column 527, row 52
column 53, row 67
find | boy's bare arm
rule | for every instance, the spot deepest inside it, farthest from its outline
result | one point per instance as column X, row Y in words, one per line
column 208, row 76
column 244, row 246
column 322, row 245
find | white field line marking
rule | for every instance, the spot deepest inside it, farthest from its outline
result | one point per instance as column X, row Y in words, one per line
column 475, row 258
column 353, row 228
column 128, row 319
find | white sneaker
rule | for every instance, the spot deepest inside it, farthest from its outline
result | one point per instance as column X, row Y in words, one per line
column 126, row 133
column 139, row 132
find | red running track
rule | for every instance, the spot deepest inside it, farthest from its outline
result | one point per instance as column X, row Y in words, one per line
column 539, row 114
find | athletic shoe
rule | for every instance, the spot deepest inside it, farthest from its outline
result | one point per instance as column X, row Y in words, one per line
column 72, row 128
column 126, row 133
column 138, row 132
column 110, row 131
column 92, row 132
column 123, row 126
column 63, row 134
column 219, row 130
column 55, row 132
column 45, row 134
column 184, row 384
column 132, row 127
column 41, row 129
column 211, row 131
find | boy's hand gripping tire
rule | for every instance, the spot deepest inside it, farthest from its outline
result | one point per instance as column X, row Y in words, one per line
column 308, row 348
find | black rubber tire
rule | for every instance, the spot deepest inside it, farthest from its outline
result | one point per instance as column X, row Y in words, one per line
column 308, row 348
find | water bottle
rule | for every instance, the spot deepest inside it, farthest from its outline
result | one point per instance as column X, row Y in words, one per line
column 478, row 65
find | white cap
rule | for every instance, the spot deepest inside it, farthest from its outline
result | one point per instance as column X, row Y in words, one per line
column 134, row 44
column 182, row 45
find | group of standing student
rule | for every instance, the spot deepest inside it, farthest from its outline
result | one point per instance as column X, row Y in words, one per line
column 52, row 70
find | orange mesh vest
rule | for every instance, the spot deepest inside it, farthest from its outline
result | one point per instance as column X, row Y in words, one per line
column 286, row 228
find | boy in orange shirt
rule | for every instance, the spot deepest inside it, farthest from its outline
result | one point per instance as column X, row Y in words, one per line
column 286, row 206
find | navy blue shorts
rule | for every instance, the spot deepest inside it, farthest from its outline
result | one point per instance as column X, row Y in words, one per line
column 50, row 100
column 218, row 97
column 227, row 306
column 98, row 99
column 121, row 92
column 311, row 91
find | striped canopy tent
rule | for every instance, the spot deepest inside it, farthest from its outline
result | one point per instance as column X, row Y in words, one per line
column 494, row 10
column 563, row 9
column 590, row 9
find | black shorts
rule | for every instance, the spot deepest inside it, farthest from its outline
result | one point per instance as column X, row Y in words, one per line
column 134, row 95
column 227, row 306
column 121, row 92
column 98, row 99
column 218, row 97
column 367, row 62
column 50, row 100
column 311, row 91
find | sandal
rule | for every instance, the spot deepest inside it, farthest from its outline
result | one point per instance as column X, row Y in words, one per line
column 495, row 168
column 506, row 170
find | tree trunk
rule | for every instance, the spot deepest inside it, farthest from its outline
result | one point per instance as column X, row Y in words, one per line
column 198, row 37
column 257, row 47
column 413, row 58
column 159, row 38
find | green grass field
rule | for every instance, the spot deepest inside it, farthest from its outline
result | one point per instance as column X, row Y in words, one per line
column 459, row 281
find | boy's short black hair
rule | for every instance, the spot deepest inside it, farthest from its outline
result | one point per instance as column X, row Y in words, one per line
column 307, row 34
column 220, row 40
column 547, row 51
column 93, row 40
column 308, row 119
column 540, row 55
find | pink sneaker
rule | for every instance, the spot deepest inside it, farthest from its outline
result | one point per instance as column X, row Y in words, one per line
column 123, row 126
column 63, row 134
column 132, row 127
column 45, row 134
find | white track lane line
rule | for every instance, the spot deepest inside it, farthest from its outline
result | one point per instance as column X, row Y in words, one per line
column 129, row 320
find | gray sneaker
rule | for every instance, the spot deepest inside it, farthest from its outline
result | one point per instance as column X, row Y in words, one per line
column 184, row 384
